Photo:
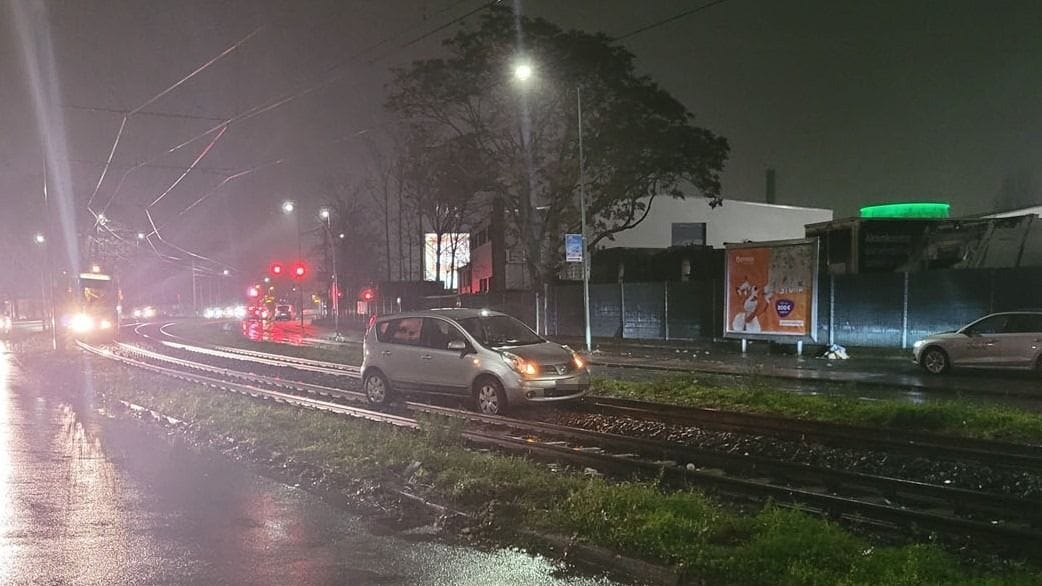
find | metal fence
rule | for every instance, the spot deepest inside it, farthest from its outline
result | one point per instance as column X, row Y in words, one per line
column 883, row 309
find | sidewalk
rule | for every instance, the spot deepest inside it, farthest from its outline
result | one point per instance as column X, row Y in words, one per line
column 866, row 366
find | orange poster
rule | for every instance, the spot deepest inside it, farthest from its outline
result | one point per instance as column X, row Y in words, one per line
column 770, row 289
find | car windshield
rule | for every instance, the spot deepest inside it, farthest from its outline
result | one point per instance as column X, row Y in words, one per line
column 496, row 331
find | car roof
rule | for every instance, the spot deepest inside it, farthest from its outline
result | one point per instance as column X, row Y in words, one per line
column 450, row 313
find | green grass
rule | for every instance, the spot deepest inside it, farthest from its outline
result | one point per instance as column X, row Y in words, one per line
column 228, row 334
column 773, row 546
column 952, row 417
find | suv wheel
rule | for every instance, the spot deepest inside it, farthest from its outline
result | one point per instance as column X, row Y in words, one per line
column 935, row 361
column 489, row 397
column 377, row 389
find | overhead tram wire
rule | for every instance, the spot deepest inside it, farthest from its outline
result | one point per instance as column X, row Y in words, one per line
column 196, row 71
column 668, row 20
column 287, row 98
column 227, row 51
column 271, row 105
column 148, row 113
column 99, row 215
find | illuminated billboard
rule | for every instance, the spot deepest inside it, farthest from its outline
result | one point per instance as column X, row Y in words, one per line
column 771, row 290
column 454, row 251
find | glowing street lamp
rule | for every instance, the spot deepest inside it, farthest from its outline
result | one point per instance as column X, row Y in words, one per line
column 39, row 238
column 523, row 72
column 323, row 213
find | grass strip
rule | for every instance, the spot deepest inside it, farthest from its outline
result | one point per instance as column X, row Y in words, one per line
column 958, row 417
column 773, row 546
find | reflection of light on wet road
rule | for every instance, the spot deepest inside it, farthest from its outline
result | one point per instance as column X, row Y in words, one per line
column 281, row 332
column 7, row 545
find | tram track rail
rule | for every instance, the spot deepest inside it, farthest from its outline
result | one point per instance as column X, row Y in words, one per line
column 889, row 503
column 1008, row 455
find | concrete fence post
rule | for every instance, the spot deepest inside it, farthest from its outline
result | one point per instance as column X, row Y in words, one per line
column 537, row 314
column 904, row 314
column 665, row 309
column 622, row 309
column 832, row 309
column 546, row 309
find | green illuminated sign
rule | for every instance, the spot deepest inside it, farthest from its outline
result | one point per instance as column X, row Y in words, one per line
column 906, row 210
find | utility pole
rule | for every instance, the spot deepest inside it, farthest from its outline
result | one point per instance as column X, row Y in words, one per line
column 582, row 219
column 195, row 299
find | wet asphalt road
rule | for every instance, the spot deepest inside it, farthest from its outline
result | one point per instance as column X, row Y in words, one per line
column 85, row 499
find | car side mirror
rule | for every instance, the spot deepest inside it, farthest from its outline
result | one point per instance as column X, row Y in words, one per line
column 458, row 345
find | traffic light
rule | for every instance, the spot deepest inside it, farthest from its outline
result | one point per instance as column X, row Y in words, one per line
column 276, row 269
column 300, row 270
column 367, row 294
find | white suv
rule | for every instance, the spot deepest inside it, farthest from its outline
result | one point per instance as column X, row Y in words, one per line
column 488, row 356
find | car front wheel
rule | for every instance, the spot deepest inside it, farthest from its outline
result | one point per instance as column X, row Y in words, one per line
column 935, row 361
column 489, row 397
column 377, row 389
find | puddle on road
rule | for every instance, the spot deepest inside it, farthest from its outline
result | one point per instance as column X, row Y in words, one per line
column 86, row 499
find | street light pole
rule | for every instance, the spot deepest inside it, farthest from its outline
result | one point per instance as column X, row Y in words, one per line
column 325, row 214
column 582, row 219
column 523, row 72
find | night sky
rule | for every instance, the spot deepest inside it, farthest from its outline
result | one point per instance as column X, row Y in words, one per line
column 851, row 102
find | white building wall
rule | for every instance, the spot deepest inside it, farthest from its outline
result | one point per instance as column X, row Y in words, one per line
column 734, row 221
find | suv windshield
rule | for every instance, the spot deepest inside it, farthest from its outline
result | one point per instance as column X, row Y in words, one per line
column 499, row 330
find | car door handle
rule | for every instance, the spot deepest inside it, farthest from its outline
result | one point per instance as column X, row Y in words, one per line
column 385, row 353
column 426, row 357
column 991, row 342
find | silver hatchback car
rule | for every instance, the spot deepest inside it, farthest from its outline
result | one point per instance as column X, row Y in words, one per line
column 488, row 356
column 1000, row 340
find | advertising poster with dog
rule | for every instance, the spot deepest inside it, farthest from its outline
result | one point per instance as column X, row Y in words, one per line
column 771, row 289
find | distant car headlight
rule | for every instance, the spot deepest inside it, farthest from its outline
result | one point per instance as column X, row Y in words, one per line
column 105, row 324
column 240, row 312
column 81, row 323
column 137, row 313
column 149, row 312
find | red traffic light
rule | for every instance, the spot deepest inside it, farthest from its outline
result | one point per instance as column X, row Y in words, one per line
column 299, row 270
column 367, row 294
column 275, row 269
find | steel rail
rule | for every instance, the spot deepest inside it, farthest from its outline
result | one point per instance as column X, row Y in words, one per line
column 991, row 452
column 626, row 463
column 1006, row 454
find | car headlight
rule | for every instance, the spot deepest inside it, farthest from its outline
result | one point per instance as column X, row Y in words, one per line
column 918, row 344
column 578, row 361
column 105, row 324
column 81, row 323
column 520, row 365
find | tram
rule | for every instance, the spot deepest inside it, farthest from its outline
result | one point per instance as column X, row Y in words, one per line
column 92, row 307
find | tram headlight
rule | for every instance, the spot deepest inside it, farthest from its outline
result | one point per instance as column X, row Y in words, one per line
column 81, row 323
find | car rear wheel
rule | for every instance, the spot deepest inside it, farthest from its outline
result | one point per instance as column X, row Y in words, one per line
column 489, row 398
column 935, row 361
column 377, row 389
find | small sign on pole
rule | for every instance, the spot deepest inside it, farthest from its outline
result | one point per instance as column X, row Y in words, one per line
column 573, row 247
